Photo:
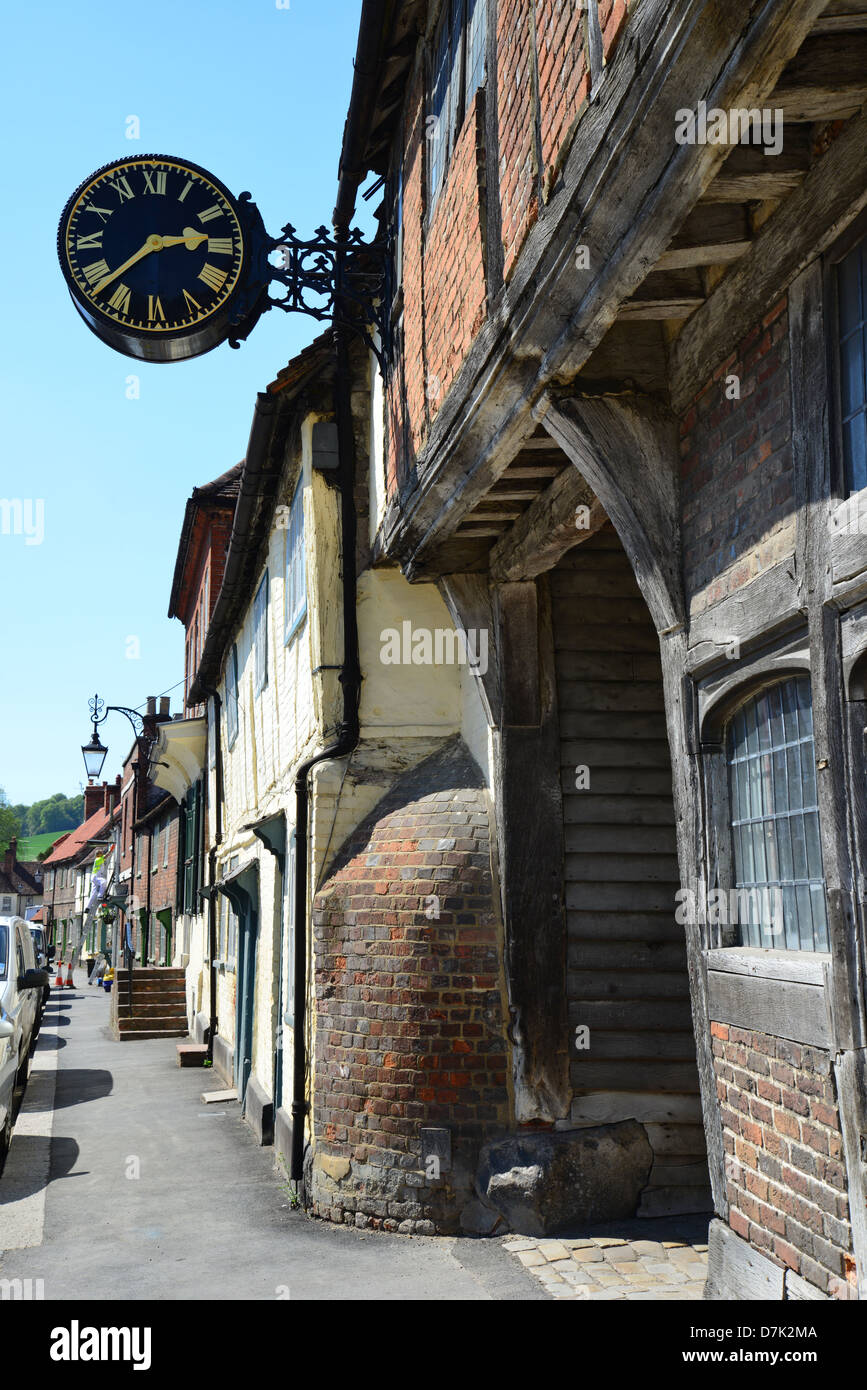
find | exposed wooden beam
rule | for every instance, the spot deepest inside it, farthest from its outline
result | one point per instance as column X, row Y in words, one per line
column 713, row 234
column 626, row 449
column 666, row 295
column 512, row 494
column 831, row 196
column 750, row 175
column 537, row 470
column 466, row 532
column 547, row 529
column 536, row 442
column 485, row 514
column 825, row 81
column 840, row 23
column 625, row 190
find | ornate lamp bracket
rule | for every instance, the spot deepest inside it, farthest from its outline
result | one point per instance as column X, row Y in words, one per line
column 99, row 712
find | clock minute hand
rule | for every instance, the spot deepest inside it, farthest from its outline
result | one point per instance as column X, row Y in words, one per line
column 153, row 243
column 191, row 239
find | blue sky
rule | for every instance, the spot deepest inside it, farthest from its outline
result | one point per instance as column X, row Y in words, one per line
column 258, row 95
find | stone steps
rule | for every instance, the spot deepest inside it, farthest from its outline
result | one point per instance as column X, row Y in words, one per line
column 129, row 1029
column 159, row 1004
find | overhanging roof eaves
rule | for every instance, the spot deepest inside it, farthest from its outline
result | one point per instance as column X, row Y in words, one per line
column 223, row 489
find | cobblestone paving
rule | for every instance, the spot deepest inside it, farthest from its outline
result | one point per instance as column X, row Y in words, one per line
column 668, row 1262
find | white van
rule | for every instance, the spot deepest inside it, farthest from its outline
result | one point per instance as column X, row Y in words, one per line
column 21, row 986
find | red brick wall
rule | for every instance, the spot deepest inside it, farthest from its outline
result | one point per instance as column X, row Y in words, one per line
column 564, row 79
column 407, row 393
column 519, row 203
column 455, row 288
column 736, row 466
column 444, row 286
column 410, row 1021
column 786, row 1179
column 164, row 882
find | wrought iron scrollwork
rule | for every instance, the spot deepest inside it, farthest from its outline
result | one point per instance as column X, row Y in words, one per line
column 99, row 713
column 341, row 279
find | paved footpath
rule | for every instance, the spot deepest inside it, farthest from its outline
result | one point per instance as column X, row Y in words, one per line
column 120, row 1183
column 206, row 1216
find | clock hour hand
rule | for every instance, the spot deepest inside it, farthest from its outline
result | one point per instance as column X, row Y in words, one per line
column 153, row 243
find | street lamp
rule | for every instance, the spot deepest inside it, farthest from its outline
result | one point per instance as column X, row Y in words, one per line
column 95, row 752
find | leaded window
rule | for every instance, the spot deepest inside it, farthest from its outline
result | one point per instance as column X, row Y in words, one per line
column 294, row 585
column 779, row 878
column 260, row 635
column 232, row 696
column 457, row 70
column 851, row 357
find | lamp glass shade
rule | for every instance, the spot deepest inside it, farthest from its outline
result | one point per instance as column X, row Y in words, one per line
column 94, row 755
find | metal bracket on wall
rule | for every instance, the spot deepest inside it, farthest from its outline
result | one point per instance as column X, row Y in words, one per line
column 342, row 279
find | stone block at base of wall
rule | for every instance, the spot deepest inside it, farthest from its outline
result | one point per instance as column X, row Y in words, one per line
column 259, row 1111
column 224, row 1060
column 201, row 1024
column 283, row 1138
column 555, row 1183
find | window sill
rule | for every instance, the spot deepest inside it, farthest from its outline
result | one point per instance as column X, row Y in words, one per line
column 804, row 967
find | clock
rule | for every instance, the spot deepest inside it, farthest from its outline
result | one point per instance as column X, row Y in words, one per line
column 157, row 257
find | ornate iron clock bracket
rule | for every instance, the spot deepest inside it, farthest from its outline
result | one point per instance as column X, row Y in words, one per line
column 341, row 279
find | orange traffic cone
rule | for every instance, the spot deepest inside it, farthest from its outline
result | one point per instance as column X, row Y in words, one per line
column 69, row 980
column 58, row 983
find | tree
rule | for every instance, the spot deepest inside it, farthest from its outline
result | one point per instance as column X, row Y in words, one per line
column 10, row 825
column 57, row 812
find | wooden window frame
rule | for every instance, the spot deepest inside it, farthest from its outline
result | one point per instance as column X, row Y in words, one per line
column 261, row 605
column 847, row 242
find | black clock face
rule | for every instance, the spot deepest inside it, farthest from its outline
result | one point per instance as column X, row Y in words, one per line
column 152, row 249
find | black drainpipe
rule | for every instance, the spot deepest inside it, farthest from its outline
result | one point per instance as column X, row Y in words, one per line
column 353, row 166
column 348, row 735
column 212, row 865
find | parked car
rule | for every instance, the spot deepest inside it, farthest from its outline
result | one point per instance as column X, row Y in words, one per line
column 44, row 955
column 21, row 987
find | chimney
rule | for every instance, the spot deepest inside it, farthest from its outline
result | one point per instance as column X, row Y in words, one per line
column 152, row 705
column 165, row 701
column 10, row 856
column 92, row 799
column 114, row 794
column 106, row 797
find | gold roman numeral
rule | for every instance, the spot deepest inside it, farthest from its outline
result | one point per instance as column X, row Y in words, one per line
column 192, row 304
column 155, row 310
column 210, row 213
column 96, row 271
column 212, row 277
column 159, row 176
column 91, row 242
column 220, row 245
column 187, row 186
column 121, row 187
column 120, row 299
column 102, row 213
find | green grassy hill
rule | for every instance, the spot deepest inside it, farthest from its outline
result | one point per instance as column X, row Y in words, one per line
column 33, row 845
